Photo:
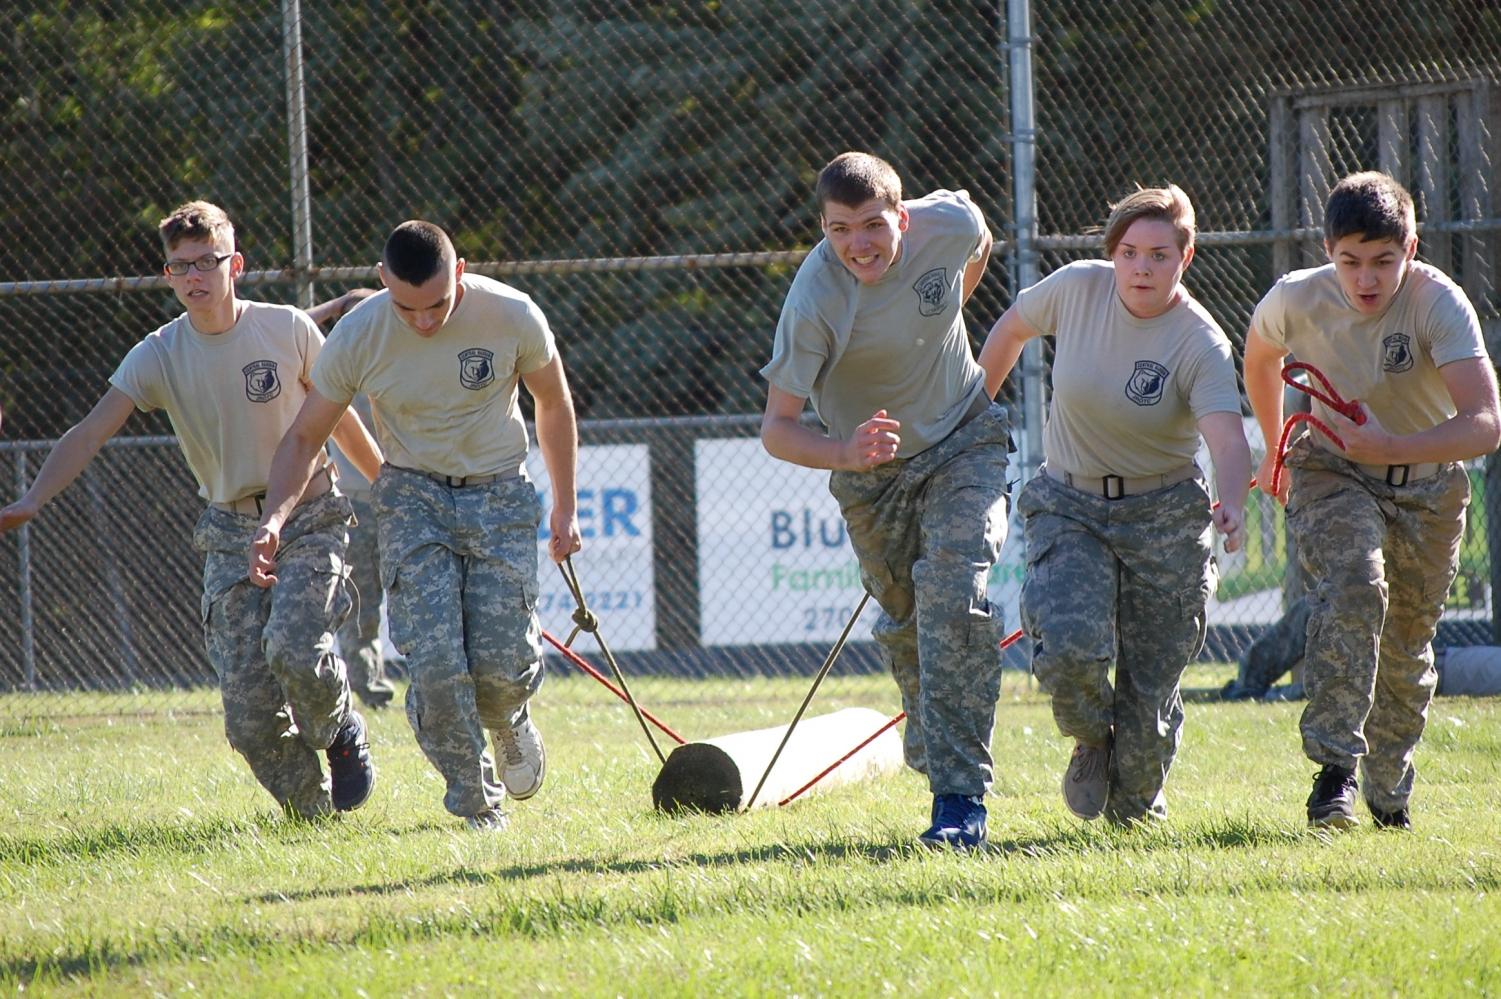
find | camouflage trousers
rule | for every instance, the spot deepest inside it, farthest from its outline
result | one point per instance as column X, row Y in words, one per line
column 926, row 531
column 1119, row 583
column 359, row 638
column 284, row 688
column 459, row 566
column 1382, row 558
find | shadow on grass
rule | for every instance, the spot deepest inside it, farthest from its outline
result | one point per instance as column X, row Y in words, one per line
column 1076, row 840
column 193, row 837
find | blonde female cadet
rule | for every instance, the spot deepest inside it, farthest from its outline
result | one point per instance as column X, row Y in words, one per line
column 1117, row 525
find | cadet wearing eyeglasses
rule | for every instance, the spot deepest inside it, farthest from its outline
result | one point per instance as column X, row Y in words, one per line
column 231, row 376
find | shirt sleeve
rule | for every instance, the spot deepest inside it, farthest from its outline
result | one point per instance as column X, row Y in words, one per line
column 1269, row 319
column 538, row 346
column 1213, row 388
column 309, row 342
column 140, row 376
column 798, row 354
column 978, row 218
column 1453, row 329
column 1041, row 304
column 331, row 374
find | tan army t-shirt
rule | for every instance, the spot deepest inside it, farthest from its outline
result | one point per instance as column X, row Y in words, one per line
column 1389, row 362
column 230, row 396
column 1127, row 392
column 897, row 345
column 445, row 403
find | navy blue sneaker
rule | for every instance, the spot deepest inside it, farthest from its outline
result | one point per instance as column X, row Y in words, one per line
column 350, row 768
column 958, row 823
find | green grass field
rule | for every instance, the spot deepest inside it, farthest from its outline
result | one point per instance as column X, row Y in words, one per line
column 138, row 857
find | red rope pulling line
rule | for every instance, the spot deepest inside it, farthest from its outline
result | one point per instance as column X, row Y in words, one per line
column 1350, row 409
column 1005, row 642
column 578, row 661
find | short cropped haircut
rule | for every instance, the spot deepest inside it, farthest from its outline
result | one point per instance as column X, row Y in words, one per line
column 196, row 220
column 852, row 179
column 416, row 251
column 1158, row 204
column 1370, row 205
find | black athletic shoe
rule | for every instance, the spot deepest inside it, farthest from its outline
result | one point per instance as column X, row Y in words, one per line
column 1332, row 803
column 349, row 765
column 1395, row 819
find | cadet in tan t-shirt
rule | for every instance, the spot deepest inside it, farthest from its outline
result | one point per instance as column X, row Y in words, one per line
column 872, row 334
column 1119, row 560
column 360, row 642
column 232, row 376
column 1377, row 526
column 440, row 355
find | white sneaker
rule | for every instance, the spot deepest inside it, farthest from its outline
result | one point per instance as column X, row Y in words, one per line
column 523, row 760
column 490, row 820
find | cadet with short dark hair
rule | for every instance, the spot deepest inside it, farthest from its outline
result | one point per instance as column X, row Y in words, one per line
column 440, row 354
column 1378, row 524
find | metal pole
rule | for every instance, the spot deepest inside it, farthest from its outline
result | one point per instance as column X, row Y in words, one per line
column 1026, row 271
column 297, row 157
column 124, row 630
column 23, row 552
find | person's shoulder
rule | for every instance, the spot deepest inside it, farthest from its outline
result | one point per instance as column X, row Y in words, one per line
column 944, row 209
column 165, row 337
column 1202, row 323
column 488, row 287
column 1308, row 280
column 1091, row 274
column 1432, row 285
column 277, row 316
column 819, row 277
column 491, row 294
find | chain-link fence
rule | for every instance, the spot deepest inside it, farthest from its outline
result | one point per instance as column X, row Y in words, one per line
column 644, row 171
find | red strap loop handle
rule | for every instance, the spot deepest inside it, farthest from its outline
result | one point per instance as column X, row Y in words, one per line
column 1348, row 408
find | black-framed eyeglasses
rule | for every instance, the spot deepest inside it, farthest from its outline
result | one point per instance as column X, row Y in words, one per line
column 207, row 262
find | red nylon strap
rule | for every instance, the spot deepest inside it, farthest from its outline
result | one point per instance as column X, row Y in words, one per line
column 1349, row 409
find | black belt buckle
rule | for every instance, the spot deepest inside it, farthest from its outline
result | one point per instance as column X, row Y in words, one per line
column 1119, row 490
column 456, row 482
column 1396, row 475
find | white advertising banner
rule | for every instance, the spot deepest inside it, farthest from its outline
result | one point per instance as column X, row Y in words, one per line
column 775, row 563
column 615, row 567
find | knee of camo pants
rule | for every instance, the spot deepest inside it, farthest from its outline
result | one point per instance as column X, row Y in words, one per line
column 897, row 642
column 952, row 602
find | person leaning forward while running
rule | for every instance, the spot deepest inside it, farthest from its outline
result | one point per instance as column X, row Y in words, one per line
column 1378, row 524
column 231, row 375
column 871, row 332
column 360, row 642
column 1119, row 560
column 439, row 353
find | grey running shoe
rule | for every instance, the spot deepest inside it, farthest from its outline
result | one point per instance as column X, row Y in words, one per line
column 1086, row 783
column 490, row 820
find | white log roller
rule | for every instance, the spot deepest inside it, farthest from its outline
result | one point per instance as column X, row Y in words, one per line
column 718, row 775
